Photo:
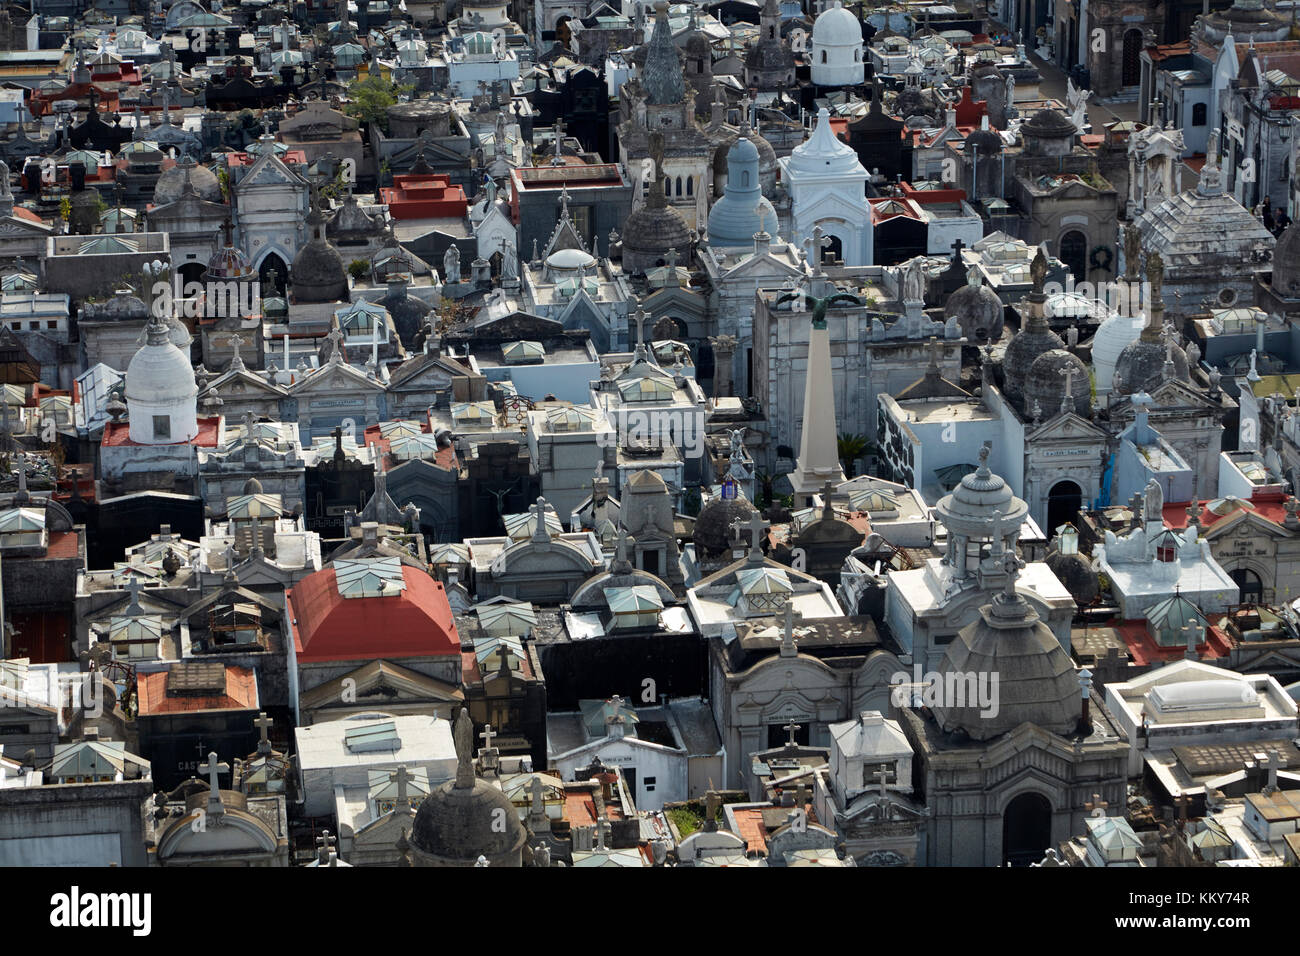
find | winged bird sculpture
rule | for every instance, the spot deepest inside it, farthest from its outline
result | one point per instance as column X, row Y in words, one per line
column 818, row 307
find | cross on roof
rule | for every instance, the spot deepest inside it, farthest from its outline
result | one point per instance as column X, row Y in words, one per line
column 882, row 778
column 336, row 337
column 325, row 843
column 263, row 725
column 487, row 736
column 133, row 586
column 1068, row 373
column 672, row 258
column 236, row 341
column 538, row 793
column 1273, row 765
column 539, row 515
column 212, row 769
column 757, row 526
column 936, row 352
column 401, row 777
column 790, row 730
column 789, row 646
column 1096, row 806
column 639, row 317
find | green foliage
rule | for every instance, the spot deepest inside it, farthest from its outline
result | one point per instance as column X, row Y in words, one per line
column 358, row 268
column 852, row 447
column 371, row 97
column 65, row 208
column 685, row 820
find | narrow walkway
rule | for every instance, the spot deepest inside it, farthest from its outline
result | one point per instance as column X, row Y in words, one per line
column 1054, row 84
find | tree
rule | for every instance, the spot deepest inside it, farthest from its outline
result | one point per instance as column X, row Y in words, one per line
column 371, row 97
column 850, row 449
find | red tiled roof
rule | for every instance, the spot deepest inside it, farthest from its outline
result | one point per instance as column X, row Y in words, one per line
column 1271, row 506
column 22, row 212
column 63, row 544
column 416, row 622
column 1143, row 650
column 444, row 457
column 119, row 433
column 241, row 694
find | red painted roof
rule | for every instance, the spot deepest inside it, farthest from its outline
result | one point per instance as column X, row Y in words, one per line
column 1143, row 650
column 423, row 197
column 119, row 433
column 63, row 544
column 1271, row 505
column 416, row 622
column 444, row 457
column 241, row 694
column 22, row 212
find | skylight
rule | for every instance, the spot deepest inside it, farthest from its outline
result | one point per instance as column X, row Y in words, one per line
column 374, row 577
column 373, row 738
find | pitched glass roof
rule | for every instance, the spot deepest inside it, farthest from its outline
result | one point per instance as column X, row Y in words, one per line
column 372, row 737
column 22, row 521
column 501, row 620
column 639, row 598
column 372, row 577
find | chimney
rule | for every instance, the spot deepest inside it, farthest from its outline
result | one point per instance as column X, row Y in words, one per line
column 77, row 176
column 369, row 534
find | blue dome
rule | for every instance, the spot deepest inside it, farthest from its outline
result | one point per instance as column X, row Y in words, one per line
column 735, row 217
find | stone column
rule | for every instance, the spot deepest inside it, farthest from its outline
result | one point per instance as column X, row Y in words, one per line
column 724, row 351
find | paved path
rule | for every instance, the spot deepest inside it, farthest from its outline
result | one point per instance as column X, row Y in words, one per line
column 1053, row 84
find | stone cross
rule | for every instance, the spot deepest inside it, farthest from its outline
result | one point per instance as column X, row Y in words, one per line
column 816, row 244
column 1189, row 638
column 790, row 730
column 1068, row 373
column 132, row 588
column 235, row 341
column 1274, row 764
column 487, row 736
column 756, row 528
column 540, row 530
column 538, row 796
column 401, row 778
column 936, row 352
column 1096, row 806
column 761, row 211
column 639, row 317
column 882, row 778
column 336, row 338
column 212, row 770
column 263, row 725
column 325, row 843
column 672, row 258
column 789, row 646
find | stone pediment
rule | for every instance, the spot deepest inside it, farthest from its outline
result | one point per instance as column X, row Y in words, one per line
column 189, row 208
column 518, row 325
column 434, row 153
column 1243, row 522
column 766, row 268
column 334, row 376
column 231, row 381
column 270, row 171
column 674, row 299
column 1028, row 749
column 1068, row 428
column 1170, row 394
column 869, row 808
column 15, row 226
column 424, row 372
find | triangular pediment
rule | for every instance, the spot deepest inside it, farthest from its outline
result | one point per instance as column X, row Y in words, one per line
column 1067, row 427
column 270, row 171
column 424, row 372
column 252, row 383
column 334, row 375
column 672, row 299
column 1244, row 521
column 16, row 226
column 765, row 266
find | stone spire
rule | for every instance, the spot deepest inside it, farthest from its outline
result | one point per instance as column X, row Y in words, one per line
column 819, row 459
column 663, row 80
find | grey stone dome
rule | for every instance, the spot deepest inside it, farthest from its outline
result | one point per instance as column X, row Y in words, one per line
column 978, row 311
column 712, row 535
column 1141, row 366
column 1023, row 349
column 408, row 314
column 1046, row 385
column 1049, row 123
column 1074, row 571
column 171, row 184
column 984, row 142
column 317, row 273
column 969, row 509
column 649, row 233
column 1037, row 682
column 456, row 825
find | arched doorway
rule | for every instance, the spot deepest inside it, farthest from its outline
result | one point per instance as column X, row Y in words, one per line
column 1063, row 503
column 833, row 252
column 191, row 272
column 1252, row 588
column 1131, row 68
column 1074, row 253
column 1026, row 829
column 272, row 263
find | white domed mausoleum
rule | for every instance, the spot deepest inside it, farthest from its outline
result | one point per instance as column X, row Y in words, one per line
column 161, row 392
column 828, row 188
column 837, row 58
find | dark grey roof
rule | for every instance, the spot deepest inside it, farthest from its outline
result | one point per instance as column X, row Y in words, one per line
column 663, row 79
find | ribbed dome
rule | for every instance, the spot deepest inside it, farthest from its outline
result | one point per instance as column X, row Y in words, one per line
column 984, row 142
column 1045, row 384
column 824, row 153
column 712, row 535
column 229, row 262
column 171, row 184
column 1025, row 346
column 457, row 825
column 1141, row 366
column 969, row 508
column 662, row 80
column 649, row 233
column 1037, row 681
column 1049, row 123
column 978, row 311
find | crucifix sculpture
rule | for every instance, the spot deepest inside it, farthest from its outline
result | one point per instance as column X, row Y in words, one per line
column 212, row 769
column 882, row 779
column 790, row 730
column 401, row 777
column 263, row 725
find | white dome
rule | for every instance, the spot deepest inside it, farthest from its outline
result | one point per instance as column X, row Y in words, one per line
column 160, row 384
column 824, row 154
column 836, row 26
column 567, row 259
column 1113, row 335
